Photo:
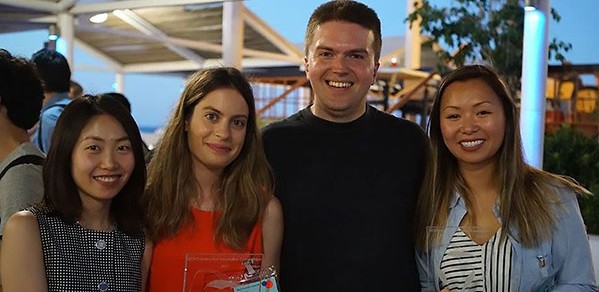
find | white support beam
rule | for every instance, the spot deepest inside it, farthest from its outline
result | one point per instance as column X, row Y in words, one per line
column 266, row 30
column 232, row 36
column 162, row 67
column 64, row 5
column 119, row 80
column 534, row 76
column 268, row 62
column 92, row 68
column 263, row 54
column 195, row 44
column 191, row 44
column 113, row 64
column 413, row 43
column 37, row 5
column 175, row 41
column 67, row 36
column 147, row 28
column 44, row 19
column 191, row 66
column 131, row 4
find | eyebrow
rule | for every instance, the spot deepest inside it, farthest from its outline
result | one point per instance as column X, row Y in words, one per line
column 352, row 51
column 220, row 113
column 475, row 105
column 97, row 138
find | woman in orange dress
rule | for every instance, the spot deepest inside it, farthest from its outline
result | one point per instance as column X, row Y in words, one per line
column 209, row 184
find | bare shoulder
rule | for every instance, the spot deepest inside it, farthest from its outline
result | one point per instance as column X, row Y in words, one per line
column 273, row 209
column 21, row 229
column 23, row 222
column 22, row 261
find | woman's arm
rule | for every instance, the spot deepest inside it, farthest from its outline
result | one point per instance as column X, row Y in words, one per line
column 145, row 264
column 272, row 233
column 22, row 261
column 571, row 250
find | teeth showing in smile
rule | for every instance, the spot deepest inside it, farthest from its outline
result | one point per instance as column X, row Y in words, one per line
column 339, row 84
column 471, row 143
column 106, row 179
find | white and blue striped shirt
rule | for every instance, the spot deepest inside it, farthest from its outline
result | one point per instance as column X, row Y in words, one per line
column 468, row 266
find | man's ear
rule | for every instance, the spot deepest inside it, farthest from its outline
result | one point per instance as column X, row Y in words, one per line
column 376, row 71
column 306, row 67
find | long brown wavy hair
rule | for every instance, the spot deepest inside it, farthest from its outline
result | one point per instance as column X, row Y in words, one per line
column 245, row 186
column 528, row 195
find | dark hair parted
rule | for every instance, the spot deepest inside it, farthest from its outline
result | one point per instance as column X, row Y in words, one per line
column 61, row 194
column 347, row 11
column 527, row 195
column 20, row 90
column 245, row 185
column 53, row 69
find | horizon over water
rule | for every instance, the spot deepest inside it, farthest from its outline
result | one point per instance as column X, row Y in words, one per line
column 149, row 129
column 150, row 134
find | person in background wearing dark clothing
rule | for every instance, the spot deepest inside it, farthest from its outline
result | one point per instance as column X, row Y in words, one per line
column 347, row 175
column 21, row 98
column 75, row 90
column 55, row 73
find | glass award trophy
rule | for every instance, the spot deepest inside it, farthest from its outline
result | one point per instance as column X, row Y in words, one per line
column 228, row 273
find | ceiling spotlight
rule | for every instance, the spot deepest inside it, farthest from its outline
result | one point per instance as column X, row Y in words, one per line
column 52, row 32
column 99, row 18
column 530, row 5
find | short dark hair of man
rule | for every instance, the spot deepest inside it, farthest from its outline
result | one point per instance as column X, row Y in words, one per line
column 347, row 11
column 120, row 98
column 75, row 89
column 21, row 90
column 54, row 70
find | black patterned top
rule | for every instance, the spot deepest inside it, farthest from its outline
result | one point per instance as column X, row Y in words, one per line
column 79, row 259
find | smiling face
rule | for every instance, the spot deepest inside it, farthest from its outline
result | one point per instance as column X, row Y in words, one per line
column 472, row 122
column 341, row 67
column 102, row 159
column 216, row 129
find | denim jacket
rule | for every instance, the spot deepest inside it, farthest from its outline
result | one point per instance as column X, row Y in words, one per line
column 48, row 118
column 563, row 263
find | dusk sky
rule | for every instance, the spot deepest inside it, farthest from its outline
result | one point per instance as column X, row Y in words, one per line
column 153, row 96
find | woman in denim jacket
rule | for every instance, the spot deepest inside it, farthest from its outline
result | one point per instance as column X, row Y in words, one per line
column 486, row 220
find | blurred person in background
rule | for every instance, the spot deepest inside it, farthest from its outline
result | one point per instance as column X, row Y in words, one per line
column 21, row 96
column 75, row 90
column 55, row 73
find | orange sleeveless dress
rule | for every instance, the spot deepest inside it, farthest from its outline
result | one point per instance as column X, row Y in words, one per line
column 168, row 257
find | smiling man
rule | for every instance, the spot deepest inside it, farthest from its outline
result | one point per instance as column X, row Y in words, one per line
column 347, row 175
